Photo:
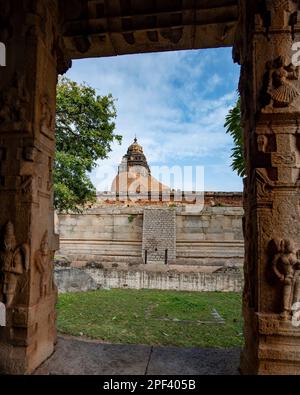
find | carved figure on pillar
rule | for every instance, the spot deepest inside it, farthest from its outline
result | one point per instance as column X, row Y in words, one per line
column 42, row 263
column 286, row 266
column 270, row 102
column 262, row 142
column 47, row 119
column 14, row 261
column 281, row 12
column 281, row 90
column 14, row 101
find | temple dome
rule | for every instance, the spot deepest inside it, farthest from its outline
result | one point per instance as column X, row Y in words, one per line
column 134, row 158
column 135, row 147
column 134, row 173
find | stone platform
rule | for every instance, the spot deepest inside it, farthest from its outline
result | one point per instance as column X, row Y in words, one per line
column 85, row 357
column 173, row 278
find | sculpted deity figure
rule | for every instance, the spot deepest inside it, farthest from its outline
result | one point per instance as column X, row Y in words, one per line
column 47, row 118
column 14, row 261
column 286, row 266
column 14, row 101
column 282, row 5
column 280, row 89
column 42, row 263
column 262, row 142
column 281, row 11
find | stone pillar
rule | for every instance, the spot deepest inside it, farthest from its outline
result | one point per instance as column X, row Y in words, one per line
column 270, row 97
column 30, row 31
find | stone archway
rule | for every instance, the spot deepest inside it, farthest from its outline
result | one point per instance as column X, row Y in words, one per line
column 40, row 39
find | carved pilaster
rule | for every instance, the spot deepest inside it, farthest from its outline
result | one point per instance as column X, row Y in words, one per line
column 270, row 94
column 31, row 33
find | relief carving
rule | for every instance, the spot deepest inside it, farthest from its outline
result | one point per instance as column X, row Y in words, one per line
column 20, row 317
column 281, row 12
column 286, row 267
column 284, row 160
column 26, row 186
column 50, row 173
column 281, row 91
column 47, row 118
column 272, row 276
column 44, row 267
column 268, row 326
column 14, row 262
column 261, row 185
column 262, row 142
column 13, row 102
column 29, row 154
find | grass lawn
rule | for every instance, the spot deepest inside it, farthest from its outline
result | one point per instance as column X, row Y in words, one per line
column 152, row 317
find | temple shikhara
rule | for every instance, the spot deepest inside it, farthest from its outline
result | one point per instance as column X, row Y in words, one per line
column 134, row 176
column 134, row 183
column 41, row 39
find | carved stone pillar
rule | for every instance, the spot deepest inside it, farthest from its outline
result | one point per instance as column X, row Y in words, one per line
column 270, row 94
column 29, row 30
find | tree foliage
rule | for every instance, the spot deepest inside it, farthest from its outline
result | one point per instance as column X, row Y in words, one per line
column 84, row 134
column 234, row 128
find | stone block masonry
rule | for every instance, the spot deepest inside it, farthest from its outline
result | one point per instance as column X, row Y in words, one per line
column 114, row 235
column 159, row 235
column 70, row 279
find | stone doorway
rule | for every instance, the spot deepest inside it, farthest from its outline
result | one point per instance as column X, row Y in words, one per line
column 40, row 39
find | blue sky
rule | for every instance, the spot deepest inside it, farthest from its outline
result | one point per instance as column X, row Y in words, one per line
column 175, row 103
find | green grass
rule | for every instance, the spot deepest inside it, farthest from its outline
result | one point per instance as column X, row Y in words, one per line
column 138, row 317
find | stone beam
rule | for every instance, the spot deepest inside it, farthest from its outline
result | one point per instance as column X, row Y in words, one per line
column 108, row 28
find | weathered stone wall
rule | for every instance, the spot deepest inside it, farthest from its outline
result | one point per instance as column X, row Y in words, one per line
column 211, row 237
column 83, row 279
column 103, row 235
column 159, row 235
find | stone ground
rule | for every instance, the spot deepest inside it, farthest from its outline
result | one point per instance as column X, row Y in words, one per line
column 85, row 357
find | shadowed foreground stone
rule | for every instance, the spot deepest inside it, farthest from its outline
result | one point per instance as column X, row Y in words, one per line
column 194, row 361
column 82, row 357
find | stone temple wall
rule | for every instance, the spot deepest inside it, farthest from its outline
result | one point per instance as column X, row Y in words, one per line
column 112, row 236
column 159, row 235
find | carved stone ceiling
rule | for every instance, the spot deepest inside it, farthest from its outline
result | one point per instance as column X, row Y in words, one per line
column 96, row 28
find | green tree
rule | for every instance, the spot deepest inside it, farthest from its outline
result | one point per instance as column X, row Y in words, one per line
column 84, row 133
column 234, row 128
